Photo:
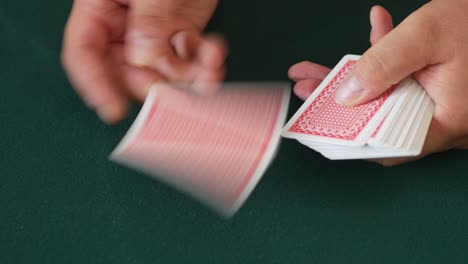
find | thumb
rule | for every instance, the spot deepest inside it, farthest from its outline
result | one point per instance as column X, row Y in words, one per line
column 394, row 57
column 151, row 25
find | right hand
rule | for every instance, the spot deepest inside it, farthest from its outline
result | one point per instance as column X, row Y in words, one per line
column 114, row 50
column 430, row 46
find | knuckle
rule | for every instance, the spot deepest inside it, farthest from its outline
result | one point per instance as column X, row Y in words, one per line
column 425, row 28
column 374, row 67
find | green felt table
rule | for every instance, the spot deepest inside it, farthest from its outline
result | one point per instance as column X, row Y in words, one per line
column 63, row 201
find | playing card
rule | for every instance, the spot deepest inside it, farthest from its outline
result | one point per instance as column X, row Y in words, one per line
column 216, row 147
column 321, row 119
column 412, row 144
column 392, row 125
column 394, row 122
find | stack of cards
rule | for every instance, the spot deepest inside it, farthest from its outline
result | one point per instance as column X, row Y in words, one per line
column 216, row 147
column 393, row 125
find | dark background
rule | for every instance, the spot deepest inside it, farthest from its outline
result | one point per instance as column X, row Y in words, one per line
column 62, row 201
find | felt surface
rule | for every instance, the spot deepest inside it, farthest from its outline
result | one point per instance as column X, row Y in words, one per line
column 63, row 201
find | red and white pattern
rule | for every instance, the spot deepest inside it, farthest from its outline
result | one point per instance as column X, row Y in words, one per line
column 325, row 118
column 213, row 147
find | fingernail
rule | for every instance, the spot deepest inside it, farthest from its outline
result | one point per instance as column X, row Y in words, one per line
column 349, row 92
column 140, row 50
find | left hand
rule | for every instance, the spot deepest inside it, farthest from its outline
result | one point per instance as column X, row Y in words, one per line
column 429, row 45
column 114, row 50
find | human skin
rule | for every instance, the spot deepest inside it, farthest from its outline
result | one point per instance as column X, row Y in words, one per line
column 114, row 50
column 430, row 45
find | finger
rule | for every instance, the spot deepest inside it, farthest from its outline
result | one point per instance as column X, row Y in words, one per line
column 207, row 81
column 137, row 80
column 86, row 59
column 394, row 57
column 207, row 55
column 185, row 44
column 207, row 52
column 304, row 88
column 212, row 52
column 307, row 70
column 151, row 25
column 210, row 57
column 381, row 23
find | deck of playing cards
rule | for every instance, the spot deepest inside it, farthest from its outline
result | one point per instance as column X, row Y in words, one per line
column 215, row 148
column 392, row 125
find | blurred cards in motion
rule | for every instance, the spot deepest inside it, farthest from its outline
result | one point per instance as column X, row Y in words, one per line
column 392, row 125
column 216, row 148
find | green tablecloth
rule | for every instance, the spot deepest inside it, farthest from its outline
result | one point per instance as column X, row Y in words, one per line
column 62, row 201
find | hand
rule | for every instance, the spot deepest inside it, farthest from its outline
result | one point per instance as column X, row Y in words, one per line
column 113, row 50
column 429, row 45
